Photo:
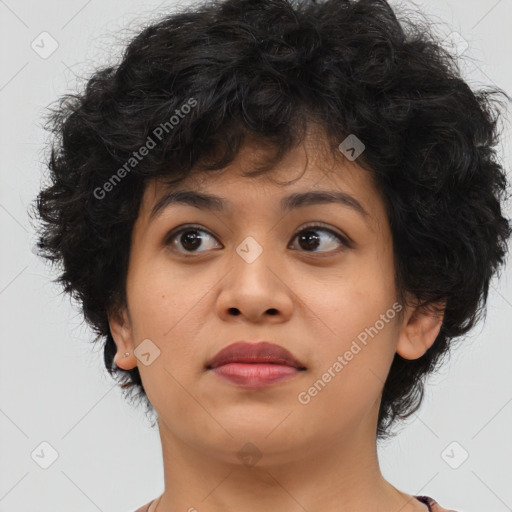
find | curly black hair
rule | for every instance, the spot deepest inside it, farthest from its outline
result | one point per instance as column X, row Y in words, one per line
column 192, row 85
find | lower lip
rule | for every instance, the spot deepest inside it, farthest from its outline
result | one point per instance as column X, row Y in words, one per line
column 255, row 375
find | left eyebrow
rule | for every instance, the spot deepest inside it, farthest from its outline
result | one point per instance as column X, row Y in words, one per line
column 314, row 197
column 288, row 203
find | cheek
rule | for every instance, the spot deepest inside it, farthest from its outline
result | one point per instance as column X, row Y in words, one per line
column 169, row 305
column 160, row 294
column 166, row 307
column 358, row 316
column 354, row 296
column 352, row 366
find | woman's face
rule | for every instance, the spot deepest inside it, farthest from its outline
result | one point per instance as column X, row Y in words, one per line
column 254, row 273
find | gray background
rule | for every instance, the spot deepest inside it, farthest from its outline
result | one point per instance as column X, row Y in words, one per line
column 53, row 386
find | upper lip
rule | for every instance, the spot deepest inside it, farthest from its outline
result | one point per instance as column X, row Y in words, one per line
column 247, row 352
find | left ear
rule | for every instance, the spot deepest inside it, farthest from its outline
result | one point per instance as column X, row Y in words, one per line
column 421, row 325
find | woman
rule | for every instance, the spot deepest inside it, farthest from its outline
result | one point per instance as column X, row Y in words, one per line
column 277, row 216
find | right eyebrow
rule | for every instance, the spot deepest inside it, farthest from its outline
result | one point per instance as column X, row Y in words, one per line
column 190, row 198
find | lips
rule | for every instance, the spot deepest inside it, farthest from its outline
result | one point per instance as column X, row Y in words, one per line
column 263, row 352
column 254, row 366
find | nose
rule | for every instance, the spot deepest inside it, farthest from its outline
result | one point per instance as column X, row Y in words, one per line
column 255, row 288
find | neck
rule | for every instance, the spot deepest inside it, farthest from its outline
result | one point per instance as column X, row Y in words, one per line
column 341, row 475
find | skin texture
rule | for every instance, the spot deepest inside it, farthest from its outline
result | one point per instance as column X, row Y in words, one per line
column 312, row 301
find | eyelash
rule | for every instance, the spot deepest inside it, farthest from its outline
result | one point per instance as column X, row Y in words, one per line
column 312, row 226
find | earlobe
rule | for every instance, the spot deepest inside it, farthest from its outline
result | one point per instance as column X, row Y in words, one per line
column 420, row 329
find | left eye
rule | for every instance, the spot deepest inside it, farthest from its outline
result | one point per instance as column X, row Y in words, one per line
column 310, row 237
column 190, row 238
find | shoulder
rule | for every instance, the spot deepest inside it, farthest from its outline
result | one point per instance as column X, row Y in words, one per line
column 432, row 504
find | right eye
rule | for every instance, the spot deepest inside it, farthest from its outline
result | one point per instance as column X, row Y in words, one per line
column 188, row 237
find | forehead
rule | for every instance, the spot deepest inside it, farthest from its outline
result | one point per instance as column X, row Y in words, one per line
column 300, row 178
